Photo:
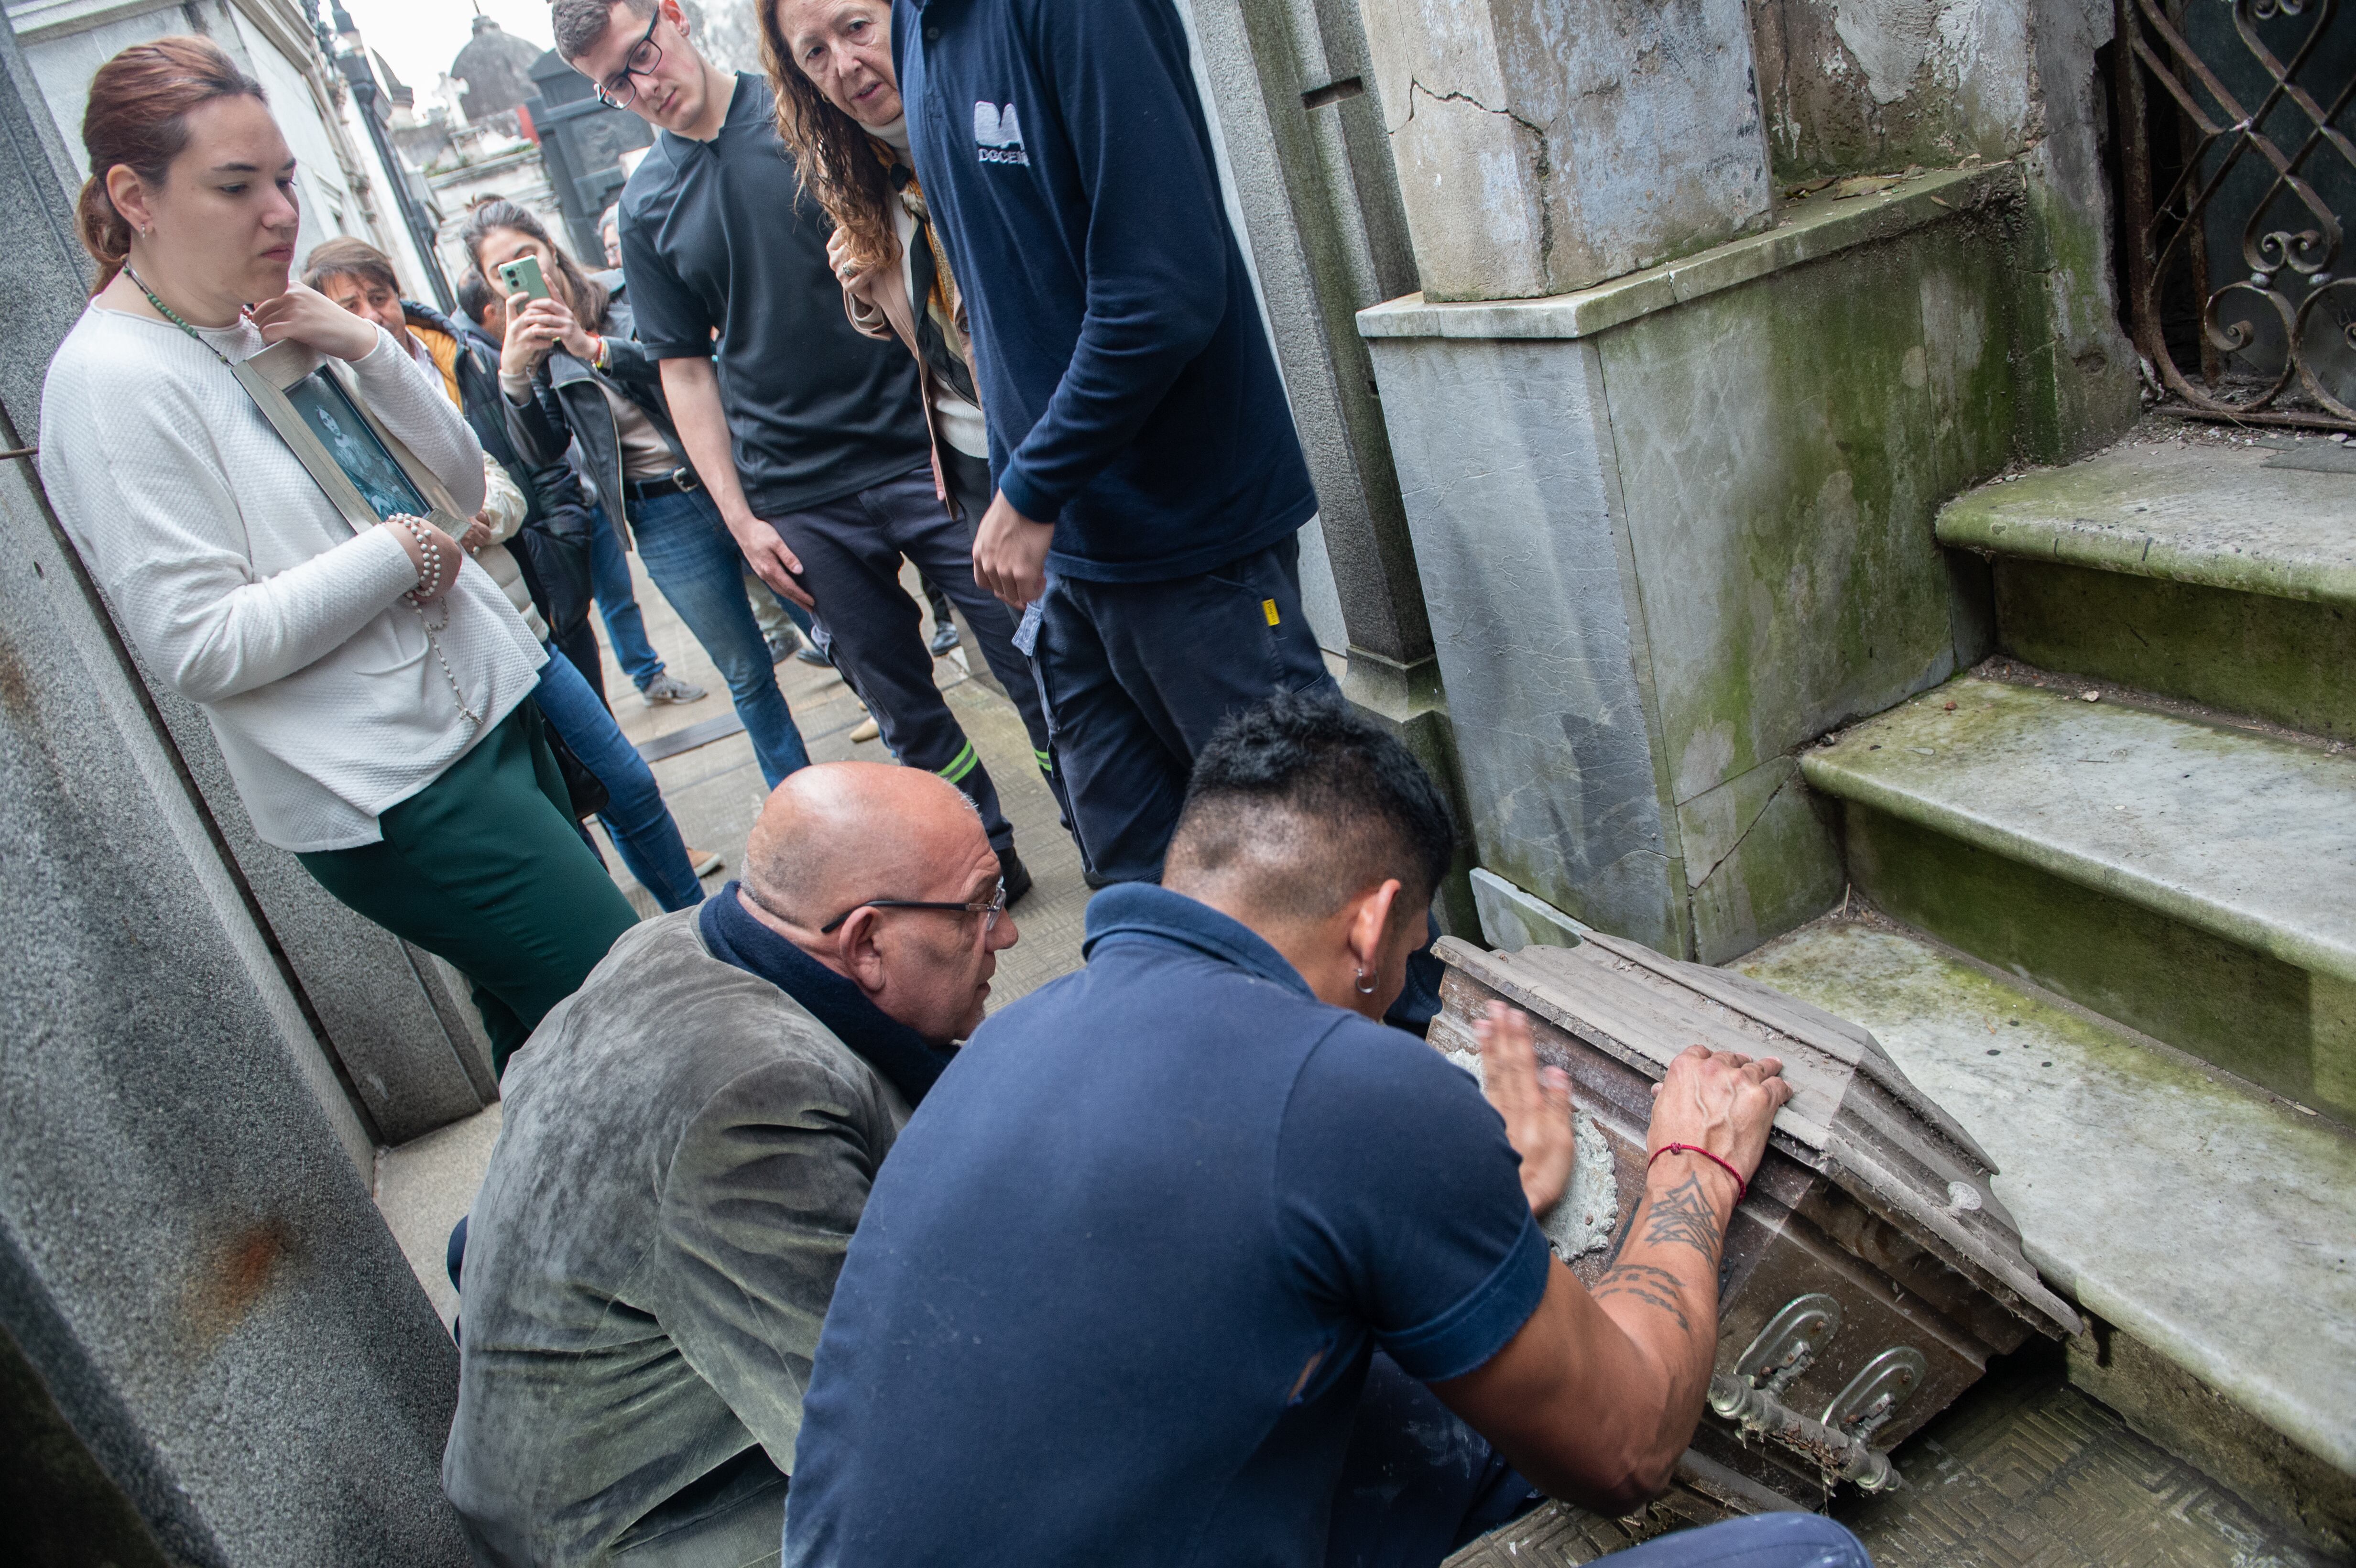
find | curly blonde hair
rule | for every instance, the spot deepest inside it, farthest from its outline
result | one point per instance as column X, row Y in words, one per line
column 834, row 154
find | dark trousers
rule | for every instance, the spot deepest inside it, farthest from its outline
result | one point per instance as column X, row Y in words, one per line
column 1419, row 1485
column 851, row 551
column 485, row 868
column 1137, row 675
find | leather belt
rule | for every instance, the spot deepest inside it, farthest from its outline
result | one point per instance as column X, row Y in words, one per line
column 677, row 482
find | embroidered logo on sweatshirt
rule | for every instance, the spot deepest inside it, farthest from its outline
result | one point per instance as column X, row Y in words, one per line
column 997, row 136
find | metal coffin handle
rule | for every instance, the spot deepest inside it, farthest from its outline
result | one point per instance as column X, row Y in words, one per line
column 1874, row 1395
column 1792, row 1341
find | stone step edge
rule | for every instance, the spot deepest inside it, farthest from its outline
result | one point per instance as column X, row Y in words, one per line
column 1963, row 524
column 2292, row 946
column 2109, row 1307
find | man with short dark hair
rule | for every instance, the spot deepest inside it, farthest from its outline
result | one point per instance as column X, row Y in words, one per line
column 1192, row 1260
column 809, row 436
column 686, row 1147
column 479, row 303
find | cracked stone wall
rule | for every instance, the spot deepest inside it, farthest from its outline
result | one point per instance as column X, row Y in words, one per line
column 1543, row 146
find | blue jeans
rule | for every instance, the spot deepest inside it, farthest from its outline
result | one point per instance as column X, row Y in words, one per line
column 1759, row 1541
column 617, row 602
column 644, row 833
column 694, row 560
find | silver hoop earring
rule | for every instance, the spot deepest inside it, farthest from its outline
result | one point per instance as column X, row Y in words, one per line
column 1365, row 987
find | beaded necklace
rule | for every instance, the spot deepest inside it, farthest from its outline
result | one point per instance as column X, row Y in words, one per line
column 415, row 526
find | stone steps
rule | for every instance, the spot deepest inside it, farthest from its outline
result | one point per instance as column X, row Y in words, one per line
column 2218, row 570
column 2191, row 880
column 2210, row 1227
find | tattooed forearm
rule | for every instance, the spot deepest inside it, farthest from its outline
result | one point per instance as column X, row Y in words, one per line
column 1683, row 1214
column 1654, row 1286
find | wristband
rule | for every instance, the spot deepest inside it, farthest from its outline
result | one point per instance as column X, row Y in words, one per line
column 1741, row 1187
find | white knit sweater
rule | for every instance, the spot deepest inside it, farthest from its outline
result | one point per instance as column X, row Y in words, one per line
column 246, row 591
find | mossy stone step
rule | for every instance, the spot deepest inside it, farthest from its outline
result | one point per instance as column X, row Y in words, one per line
column 2194, row 881
column 2216, row 571
column 2213, row 1225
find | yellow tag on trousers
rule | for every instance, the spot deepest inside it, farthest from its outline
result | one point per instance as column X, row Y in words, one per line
column 1268, row 608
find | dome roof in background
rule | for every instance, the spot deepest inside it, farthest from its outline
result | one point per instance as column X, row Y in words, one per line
column 496, row 66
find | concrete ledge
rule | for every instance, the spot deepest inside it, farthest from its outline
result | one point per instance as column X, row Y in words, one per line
column 2216, row 1225
column 2245, row 838
column 2198, row 511
column 1805, row 232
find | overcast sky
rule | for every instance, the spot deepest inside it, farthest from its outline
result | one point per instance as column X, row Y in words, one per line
column 419, row 38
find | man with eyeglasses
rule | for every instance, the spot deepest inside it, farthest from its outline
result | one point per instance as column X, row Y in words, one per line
column 809, row 437
column 687, row 1145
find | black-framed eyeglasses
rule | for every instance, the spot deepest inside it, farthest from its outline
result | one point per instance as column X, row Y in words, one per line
column 988, row 911
column 643, row 56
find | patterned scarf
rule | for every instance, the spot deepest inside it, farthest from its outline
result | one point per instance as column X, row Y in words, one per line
column 940, row 321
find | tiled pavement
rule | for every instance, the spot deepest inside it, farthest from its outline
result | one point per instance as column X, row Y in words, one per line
column 2023, row 1472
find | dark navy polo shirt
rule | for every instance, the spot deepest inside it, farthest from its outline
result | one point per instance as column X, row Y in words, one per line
column 1114, row 1294
column 716, row 235
column 1131, row 395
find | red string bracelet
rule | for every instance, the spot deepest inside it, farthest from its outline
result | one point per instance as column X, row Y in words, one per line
column 1741, row 1187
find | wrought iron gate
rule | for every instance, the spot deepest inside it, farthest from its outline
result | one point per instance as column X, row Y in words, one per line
column 2235, row 121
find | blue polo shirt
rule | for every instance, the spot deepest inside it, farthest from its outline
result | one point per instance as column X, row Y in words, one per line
column 1113, row 1296
column 1132, row 399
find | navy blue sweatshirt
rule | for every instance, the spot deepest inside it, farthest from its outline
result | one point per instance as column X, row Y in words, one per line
column 1131, row 395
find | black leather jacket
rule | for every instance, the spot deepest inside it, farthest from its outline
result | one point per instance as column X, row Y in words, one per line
column 569, row 402
column 552, row 546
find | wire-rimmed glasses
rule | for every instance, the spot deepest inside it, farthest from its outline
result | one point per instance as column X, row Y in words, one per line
column 988, row 911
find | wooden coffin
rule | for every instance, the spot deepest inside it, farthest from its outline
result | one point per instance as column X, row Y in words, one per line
column 1868, row 1275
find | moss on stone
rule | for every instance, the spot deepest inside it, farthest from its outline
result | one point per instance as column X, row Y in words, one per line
column 2249, row 1013
column 1783, row 447
column 2284, row 659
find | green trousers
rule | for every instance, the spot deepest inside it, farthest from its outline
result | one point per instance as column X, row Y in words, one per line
column 485, row 868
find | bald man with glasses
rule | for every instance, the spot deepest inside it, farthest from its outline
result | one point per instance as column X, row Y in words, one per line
column 688, row 1143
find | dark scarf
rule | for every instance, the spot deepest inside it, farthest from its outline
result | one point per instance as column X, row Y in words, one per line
column 910, row 1061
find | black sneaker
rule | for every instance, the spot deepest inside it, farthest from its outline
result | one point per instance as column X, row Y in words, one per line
column 945, row 637
column 1015, row 874
column 807, row 654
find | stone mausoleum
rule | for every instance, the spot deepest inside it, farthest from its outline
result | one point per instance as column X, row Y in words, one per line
column 1855, row 492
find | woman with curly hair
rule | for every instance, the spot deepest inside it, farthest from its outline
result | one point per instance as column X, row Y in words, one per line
column 829, row 63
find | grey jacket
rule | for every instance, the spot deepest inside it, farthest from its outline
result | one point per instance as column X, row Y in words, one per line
column 684, row 1153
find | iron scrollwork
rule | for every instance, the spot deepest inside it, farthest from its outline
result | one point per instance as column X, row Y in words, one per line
column 2292, row 242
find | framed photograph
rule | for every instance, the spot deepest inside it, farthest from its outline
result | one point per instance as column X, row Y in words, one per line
column 314, row 403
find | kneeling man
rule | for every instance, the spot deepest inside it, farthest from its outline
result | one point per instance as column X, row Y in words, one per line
column 1193, row 1260
column 688, row 1143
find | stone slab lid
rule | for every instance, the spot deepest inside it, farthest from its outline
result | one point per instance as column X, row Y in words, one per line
column 1853, row 1117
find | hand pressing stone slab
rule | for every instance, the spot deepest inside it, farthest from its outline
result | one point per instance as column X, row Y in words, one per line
column 1868, row 1275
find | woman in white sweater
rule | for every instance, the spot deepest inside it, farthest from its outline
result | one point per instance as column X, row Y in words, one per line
column 371, row 691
